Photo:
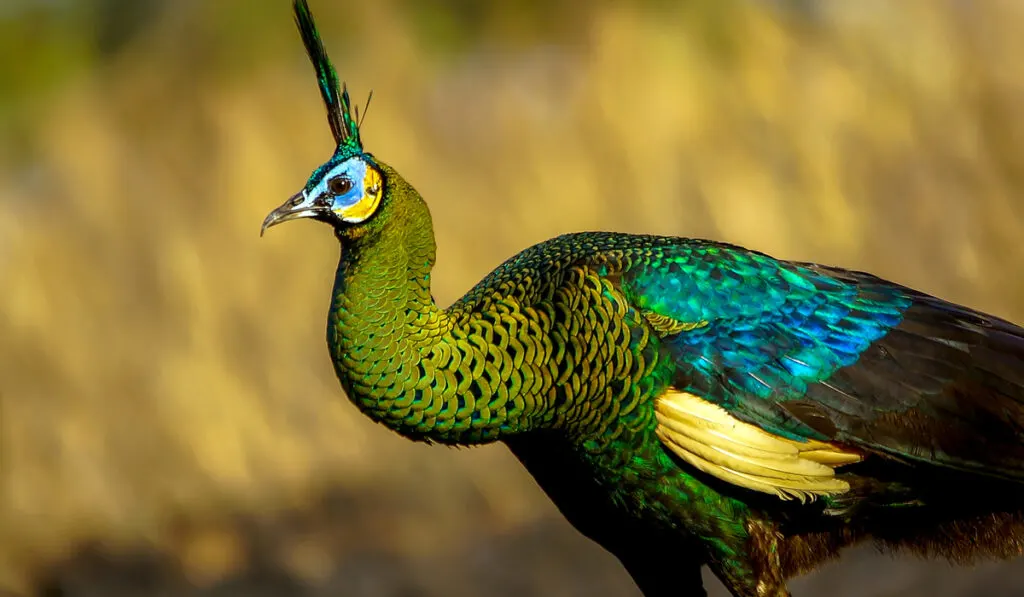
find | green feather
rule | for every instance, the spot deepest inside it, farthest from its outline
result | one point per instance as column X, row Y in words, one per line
column 339, row 110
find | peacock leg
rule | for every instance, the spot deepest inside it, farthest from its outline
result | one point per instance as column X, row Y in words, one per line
column 644, row 551
column 749, row 567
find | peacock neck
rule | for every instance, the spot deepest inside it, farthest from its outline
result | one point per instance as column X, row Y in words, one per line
column 400, row 358
column 382, row 318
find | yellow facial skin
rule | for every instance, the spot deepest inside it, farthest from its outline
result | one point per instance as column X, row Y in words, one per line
column 373, row 189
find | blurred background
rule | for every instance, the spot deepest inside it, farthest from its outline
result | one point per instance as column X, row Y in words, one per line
column 169, row 419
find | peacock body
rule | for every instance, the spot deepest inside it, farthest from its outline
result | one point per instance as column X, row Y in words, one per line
column 683, row 402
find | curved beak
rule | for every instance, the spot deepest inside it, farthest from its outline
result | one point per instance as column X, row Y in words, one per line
column 297, row 206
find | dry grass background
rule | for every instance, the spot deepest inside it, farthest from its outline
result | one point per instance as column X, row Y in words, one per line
column 170, row 421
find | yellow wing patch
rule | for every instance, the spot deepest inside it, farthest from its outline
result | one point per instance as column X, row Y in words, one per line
column 713, row 441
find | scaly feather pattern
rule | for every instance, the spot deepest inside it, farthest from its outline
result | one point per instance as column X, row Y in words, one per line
column 673, row 395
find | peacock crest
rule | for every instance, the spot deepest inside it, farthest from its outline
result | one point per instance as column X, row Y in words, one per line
column 344, row 125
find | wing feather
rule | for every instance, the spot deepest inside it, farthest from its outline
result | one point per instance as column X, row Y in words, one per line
column 807, row 352
column 713, row 441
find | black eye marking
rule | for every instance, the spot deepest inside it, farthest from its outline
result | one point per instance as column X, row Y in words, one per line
column 339, row 185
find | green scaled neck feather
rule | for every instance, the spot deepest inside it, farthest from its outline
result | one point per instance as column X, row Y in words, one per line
column 683, row 402
column 405, row 362
column 486, row 367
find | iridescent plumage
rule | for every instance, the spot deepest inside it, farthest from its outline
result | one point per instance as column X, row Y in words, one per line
column 682, row 401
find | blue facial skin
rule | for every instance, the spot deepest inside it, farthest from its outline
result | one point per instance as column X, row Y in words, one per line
column 333, row 193
column 318, row 187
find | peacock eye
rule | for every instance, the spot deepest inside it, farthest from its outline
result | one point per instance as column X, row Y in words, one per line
column 339, row 185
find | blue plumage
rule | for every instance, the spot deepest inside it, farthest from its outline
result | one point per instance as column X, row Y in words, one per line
column 774, row 328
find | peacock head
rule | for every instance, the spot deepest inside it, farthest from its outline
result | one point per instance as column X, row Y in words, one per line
column 345, row 191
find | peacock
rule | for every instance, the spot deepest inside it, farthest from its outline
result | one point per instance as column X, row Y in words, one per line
column 682, row 402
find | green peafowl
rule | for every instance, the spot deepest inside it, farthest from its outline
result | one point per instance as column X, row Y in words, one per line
column 682, row 402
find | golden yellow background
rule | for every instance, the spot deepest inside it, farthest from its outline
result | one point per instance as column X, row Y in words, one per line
column 170, row 421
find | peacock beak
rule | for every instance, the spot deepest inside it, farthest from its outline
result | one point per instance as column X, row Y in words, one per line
column 297, row 206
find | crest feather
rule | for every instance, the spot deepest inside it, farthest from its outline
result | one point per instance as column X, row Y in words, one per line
column 339, row 115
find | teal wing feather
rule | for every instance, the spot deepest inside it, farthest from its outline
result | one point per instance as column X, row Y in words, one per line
column 812, row 352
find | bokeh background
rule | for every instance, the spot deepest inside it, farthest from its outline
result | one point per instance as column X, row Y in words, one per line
column 170, row 421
